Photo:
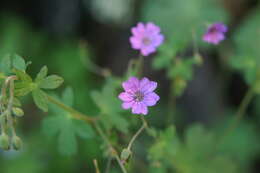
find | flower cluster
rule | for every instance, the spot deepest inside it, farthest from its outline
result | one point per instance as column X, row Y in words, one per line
column 138, row 94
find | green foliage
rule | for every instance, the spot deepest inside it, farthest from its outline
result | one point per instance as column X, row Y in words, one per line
column 182, row 68
column 247, row 53
column 40, row 99
column 19, row 63
column 179, row 19
column 67, row 128
column 109, row 105
column 42, row 81
column 51, row 82
column 201, row 151
column 6, row 64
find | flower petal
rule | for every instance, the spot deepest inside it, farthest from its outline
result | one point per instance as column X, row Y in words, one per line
column 158, row 40
column 139, row 108
column 152, row 28
column 126, row 97
column 127, row 105
column 150, row 99
column 147, row 50
column 147, row 86
column 131, row 85
column 213, row 38
column 136, row 42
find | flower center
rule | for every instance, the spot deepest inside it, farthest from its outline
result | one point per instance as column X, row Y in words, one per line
column 213, row 30
column 139, row 96
column 146, row 41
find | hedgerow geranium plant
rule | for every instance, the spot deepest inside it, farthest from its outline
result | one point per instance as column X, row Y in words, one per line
column 198, row 151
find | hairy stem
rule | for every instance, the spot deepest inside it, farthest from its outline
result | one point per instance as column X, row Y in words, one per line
column 113, row 151
column 240, row 112
column 77, row 115
column 96, row 166
column 140, row 64
column 242, row 109
column 144, row 125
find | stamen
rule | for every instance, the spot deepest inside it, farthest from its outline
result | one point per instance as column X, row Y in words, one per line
column 146, row 41
column 139, row 96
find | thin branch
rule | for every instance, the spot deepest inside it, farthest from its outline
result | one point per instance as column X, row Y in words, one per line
column 108, row 165
column 241, row 111
column 96, row 166
column 77, row 115
column 144, row 125
column 111, row 148
column 238, row 116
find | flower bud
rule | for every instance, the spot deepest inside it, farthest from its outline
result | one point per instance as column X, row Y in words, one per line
column 179, row 86
column 17, row 143
column 198, row 59
column 18, row 111
column 125, row 154
column 4, row 142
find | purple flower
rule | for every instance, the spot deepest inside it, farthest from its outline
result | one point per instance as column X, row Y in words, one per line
column 215, row 33
column 138, row 95
column 146, row 38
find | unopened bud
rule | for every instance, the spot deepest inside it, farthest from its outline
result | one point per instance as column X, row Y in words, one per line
column 125, row 154
column 179, row 86
column 4, row 142
column 17, row 143
column 18, row 111
column 198, row 59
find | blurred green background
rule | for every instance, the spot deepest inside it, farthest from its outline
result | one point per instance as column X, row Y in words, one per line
column 73, row 37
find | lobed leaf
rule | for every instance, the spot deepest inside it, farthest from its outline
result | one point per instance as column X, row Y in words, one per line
column 40, row 99
column 51, row 82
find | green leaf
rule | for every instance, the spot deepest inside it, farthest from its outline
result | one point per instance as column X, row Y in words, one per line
column 18, row 62
column 67, row 140
column 23, row 76
column 247, row 53
column 68, row 96
column 51, row 82
column 183, row 68
column 166, row 55
column 195, row 132
column 42, row 74
column 83, row 129
column 110, row 107
column 166, row 145
column 67, row 128
column 40, row 99
column 23, row 88
column 5, row 65
column 51, row 125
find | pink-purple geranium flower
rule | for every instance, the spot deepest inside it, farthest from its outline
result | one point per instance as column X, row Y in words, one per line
column 215, row 33
column 138, row 95
column 146, row 38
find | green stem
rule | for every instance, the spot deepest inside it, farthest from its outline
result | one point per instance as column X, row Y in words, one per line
column 240, row 112
column 96, row 166
column 171, row 103
column 77, row 115
column 80, row 116
column 140, row 63
column 144, row 125
column 113, row 151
